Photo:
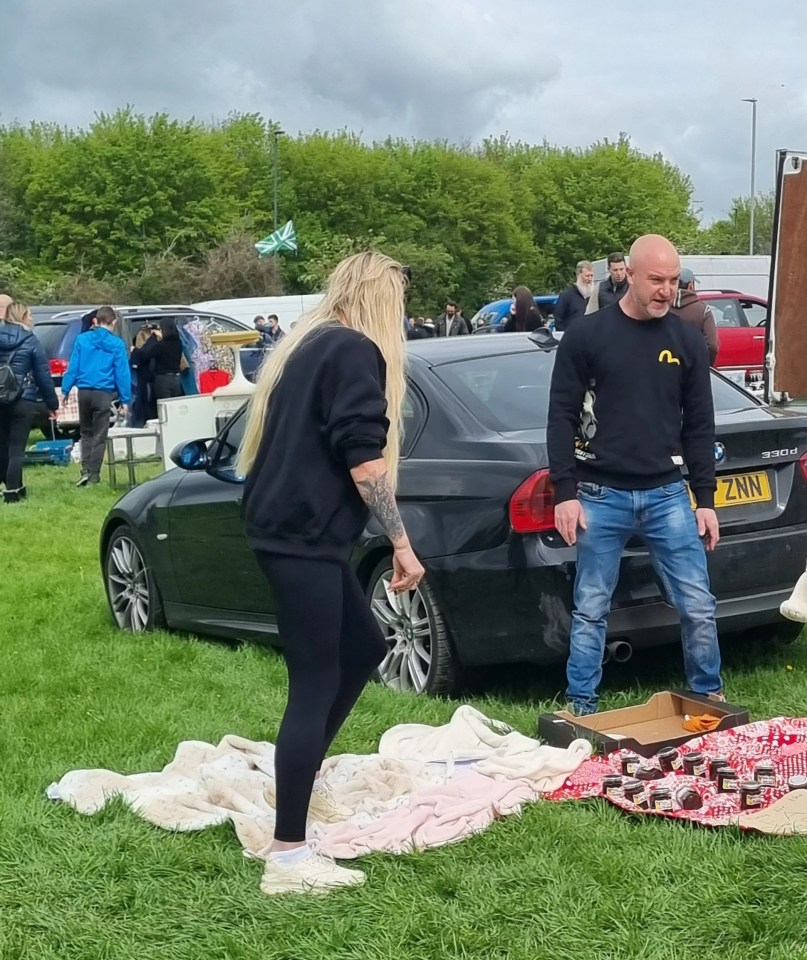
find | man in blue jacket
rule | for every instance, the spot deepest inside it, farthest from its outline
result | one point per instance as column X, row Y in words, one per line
column 99, row 367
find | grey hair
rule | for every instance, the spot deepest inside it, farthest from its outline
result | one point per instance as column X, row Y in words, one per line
column 583, row 265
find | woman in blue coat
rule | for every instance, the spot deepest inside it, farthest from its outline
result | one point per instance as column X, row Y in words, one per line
column 21, row 354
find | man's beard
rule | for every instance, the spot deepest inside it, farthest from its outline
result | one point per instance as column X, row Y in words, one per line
column 585, row 288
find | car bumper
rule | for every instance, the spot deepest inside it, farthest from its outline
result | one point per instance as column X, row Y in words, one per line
column 513, row 604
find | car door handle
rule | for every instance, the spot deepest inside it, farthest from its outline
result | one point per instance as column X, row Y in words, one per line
column 759, row 336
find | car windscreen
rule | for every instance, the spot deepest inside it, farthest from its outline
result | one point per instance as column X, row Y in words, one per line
column 511, row 391
column 53, row 339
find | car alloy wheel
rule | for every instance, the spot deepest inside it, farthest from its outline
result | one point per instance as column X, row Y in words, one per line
column 405, row 621
column 421, row 657
column 130, row 593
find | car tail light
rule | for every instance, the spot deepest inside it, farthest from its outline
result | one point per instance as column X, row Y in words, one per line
column 532, row 506
column 58, row 368
column 803, row 465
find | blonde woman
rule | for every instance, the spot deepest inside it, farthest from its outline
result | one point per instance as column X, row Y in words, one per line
column 320, row 453
column 25, row 382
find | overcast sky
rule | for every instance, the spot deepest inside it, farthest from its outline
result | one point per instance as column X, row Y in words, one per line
column 670, row 75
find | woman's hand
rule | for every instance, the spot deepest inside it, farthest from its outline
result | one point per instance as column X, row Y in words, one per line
column 407, row 570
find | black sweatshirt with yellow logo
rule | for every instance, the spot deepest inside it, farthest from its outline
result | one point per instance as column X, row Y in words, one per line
column 630, row 404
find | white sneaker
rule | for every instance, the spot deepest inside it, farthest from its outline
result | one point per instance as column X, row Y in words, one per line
column 315, row 873
column 795, row 607
column 323, row 807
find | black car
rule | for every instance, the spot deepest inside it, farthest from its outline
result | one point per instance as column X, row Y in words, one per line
column 476, row 499
column 58, row 332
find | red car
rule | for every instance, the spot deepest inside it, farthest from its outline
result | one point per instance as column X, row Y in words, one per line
column 741, row 321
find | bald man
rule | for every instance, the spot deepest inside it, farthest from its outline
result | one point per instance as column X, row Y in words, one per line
column 5, row 300
column 630, row 403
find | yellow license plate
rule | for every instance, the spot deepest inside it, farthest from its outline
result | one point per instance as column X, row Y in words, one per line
column 739, row 489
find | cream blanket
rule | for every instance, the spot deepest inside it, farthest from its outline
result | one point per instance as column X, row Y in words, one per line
column 426, row 786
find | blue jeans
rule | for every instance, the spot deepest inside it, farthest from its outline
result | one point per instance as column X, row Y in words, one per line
column 664, row 518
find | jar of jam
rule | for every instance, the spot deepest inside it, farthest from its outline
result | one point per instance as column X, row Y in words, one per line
column 797, row 782
column 634, row 790
column 727, row 781
column 630, row 764
column 661, row 799
column 694, row 764
column 765, row 773
column 750, row 795
column 646, row 772
column 688, row 799
column 715, row 763
column 611, row 785
column 669, row 760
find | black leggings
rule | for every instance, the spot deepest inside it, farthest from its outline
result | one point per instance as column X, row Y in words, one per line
column 16, row 420
column 331, row 644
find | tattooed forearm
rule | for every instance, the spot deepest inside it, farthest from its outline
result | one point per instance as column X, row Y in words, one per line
column 377, row 493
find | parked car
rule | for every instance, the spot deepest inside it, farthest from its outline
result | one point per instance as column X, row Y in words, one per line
column 476, row 499
column 58, row 333
column 493, row 316
column 741, row 325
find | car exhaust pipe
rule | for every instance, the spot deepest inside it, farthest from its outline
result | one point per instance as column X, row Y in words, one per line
column 606, row 654
column 620, row 651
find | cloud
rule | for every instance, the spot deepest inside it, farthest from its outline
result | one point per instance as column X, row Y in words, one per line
column 671, row 78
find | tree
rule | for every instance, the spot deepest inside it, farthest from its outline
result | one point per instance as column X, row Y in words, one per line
column 588, row 203
column 128, row 187
column 732, row 234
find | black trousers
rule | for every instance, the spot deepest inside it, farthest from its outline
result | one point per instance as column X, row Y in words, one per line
column 331, row 644
column 94, row 413
column 16, row 420
column 167, row 385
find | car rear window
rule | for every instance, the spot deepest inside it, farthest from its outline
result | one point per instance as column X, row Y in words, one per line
column 57, row 338
column 505, row 392
column 511, row 391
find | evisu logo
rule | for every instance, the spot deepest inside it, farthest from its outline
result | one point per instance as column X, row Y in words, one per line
column 666, row 357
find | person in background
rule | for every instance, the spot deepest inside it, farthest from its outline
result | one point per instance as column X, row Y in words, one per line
column 451, row 323
column 163, row 350
column 695, row 311
column 144, row 403
column 99, row 367
column 88, row 321
column 273, row 333
column 320, row 456
column 614, row 287
column 524, row 315
column 23, row 354
column 259, row 323
column 573, row 300
column 419, row 330
column 5, row 301
column 630, row 403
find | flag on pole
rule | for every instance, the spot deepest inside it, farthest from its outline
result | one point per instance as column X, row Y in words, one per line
column 283, row 239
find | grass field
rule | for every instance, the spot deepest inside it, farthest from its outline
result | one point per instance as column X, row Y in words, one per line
column 561, row 881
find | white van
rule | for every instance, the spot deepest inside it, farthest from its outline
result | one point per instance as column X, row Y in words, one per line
column 744, row 274
column 245, row 309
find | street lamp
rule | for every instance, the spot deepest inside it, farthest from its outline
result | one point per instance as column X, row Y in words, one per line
column 753, row 102
column 276, row 133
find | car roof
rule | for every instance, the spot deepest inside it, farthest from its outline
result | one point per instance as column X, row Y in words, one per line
column 729, row 295
column 132, row 313
column 439, row 350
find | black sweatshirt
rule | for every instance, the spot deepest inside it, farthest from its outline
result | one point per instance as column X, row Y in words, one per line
column 166, row 354
column 326, row 415
column 630, row 402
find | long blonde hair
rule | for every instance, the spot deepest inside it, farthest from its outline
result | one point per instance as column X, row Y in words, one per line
column 18, row 312
column 366, row 293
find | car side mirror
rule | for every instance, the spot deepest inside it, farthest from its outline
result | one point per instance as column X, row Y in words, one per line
column 191, row 455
